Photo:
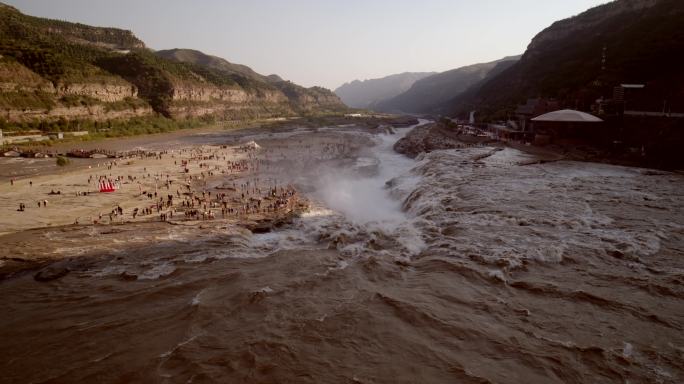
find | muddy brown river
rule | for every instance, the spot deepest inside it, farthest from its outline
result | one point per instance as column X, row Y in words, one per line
column 460, row 266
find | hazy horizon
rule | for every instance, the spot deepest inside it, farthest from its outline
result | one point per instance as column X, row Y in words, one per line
column 326, row 43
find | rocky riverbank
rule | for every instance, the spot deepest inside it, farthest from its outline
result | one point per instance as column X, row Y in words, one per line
column 432, row 137
column 438, row 136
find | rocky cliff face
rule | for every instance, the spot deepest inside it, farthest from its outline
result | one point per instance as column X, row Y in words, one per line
column 264, row 90
column 186, row 91
column 15, row 77
column 52, row 70
column 312, row 100
column 92, row 113
column 105, row 92
column 589, row 19
column 232, row 103
column 309, row 99
column 580, row 59
column 191, row 92
column 25, row 96
column 210, row 99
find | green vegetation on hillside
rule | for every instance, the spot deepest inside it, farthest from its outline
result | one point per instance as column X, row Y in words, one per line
column 202, row 60
column 78, row 101
column 153, row 82
column 23, row 100
column 565, row 60
column 66, row 54
column 17, row 26
column 220, row 72
column 126, row 104
column 110, row 128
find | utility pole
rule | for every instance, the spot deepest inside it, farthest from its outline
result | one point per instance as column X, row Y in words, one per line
column 603, row 59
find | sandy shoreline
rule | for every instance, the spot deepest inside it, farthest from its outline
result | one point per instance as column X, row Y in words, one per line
column 206, row 187
column 190, row 183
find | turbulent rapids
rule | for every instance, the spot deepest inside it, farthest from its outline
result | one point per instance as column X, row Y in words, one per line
column 461, row 266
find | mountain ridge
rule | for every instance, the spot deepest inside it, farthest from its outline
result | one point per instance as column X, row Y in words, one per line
column 565, row 60
column 194, row 56
column 297, row 95
column 56, row 75
column 367, row 93
column 430, row 93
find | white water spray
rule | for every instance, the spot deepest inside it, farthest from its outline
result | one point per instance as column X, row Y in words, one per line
column 366, row 199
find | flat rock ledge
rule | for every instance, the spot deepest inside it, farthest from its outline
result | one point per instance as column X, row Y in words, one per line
column 432, row 137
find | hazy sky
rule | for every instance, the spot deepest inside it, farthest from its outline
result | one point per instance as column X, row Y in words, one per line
column 326, row 42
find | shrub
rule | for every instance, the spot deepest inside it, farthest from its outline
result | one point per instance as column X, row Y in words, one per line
column 62, row 161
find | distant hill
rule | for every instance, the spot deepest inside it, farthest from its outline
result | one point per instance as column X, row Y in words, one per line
column 301, row 99
column 57, row 75
column 196, row 57
column 643, row 42
column 429, row 94
column 367, row 93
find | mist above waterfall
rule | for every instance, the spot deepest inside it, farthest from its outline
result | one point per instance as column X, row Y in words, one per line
column 360, row 200
column 360, row 193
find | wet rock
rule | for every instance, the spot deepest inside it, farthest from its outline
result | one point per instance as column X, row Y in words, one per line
column 336, row 241
column 128, row 276
column 403, row 263
column 261, row 227
column 61, row 268
column 269, row 224
column 257, row 296
column 428, row 138
column 617, row 254
column 50, row 273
